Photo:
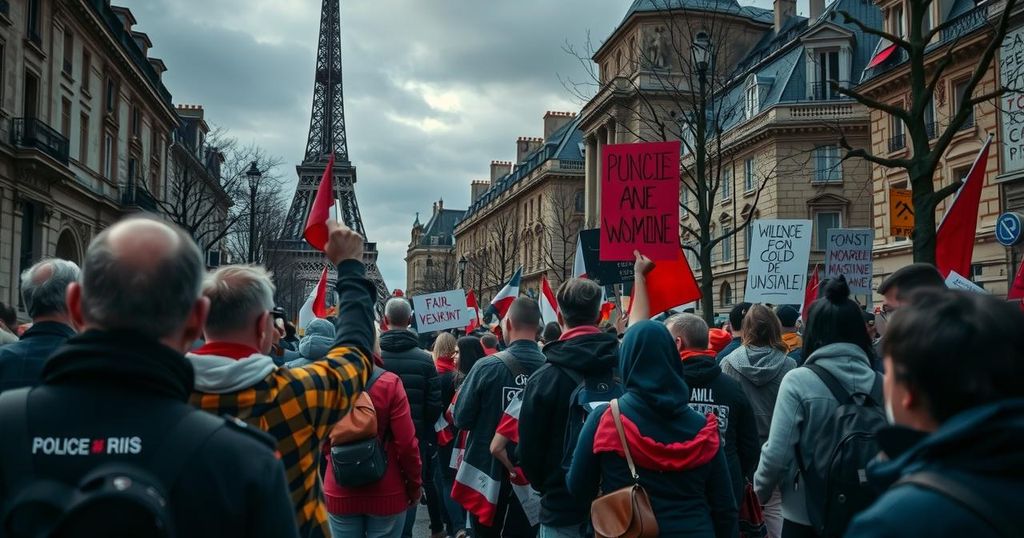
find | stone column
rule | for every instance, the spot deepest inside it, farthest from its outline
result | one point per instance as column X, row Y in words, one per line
column 590, row 182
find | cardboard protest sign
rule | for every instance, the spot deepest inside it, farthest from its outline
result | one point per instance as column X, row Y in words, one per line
column 604, row 273
column 848, row 253
column 956, row 281
column 440, row 311
column 779, row 253
column 640, row 201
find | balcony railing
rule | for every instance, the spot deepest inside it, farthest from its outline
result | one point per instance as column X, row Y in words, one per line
column 33, row 133
column 134, row 196
column 897, row 142
column 965, row 23
column 823, row 91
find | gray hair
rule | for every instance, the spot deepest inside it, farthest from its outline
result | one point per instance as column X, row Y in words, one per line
column 238, row 294
column 155, row 300
column 398, row 312
column 690, row 328
column 44, row 286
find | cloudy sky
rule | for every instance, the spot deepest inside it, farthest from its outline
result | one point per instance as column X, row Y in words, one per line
column 434, row 90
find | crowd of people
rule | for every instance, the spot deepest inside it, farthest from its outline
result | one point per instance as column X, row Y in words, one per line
column 149, row 397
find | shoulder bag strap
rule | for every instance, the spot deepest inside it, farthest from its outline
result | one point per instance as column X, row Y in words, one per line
column 374, row 376
column 15, row 453
column 831, row 382
column 876, row 390
column 511, row 363
column 622, row 438
column 955, row 489
column 184, row 440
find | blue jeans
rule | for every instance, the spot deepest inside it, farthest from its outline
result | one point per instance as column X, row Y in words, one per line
column 363, row 526
column 575, row 531
column 444, row 478
column 428, row 456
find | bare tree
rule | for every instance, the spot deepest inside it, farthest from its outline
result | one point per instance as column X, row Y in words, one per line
column 248, row 238
column 440, row 274
column 562, row 223
column 925, row 68
column 502, row 236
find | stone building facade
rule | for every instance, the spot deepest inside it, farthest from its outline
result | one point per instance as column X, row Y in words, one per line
column 528, row 214
column 431, row 264
column 85, row 122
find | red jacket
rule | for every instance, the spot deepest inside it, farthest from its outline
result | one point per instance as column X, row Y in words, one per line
column 401, row 483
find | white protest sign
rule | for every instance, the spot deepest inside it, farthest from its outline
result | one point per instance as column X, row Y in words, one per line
column 848, row 253
column 956, row 281
column 779, row 253
column 440, row 311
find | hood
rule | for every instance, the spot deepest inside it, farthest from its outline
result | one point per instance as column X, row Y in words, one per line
column 651, row 369
column 221, row 375
column 399, row 340
column 759, row 365
column 718, row 339
column 700, row 369
column 587, row 353
column 848, row 363
column 315, row 347
column 651, row 454
column 985, row 440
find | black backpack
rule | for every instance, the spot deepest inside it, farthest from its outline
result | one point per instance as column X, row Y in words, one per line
column 360, row 462
column 118, row 499
column 591, row 392
column 836, row 485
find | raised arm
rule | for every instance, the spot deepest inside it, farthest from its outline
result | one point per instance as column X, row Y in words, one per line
column 639, row 309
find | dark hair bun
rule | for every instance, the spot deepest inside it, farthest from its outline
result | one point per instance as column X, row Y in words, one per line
column 837, row 291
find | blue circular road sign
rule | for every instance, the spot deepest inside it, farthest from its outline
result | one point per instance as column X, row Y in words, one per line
column 1009, row 228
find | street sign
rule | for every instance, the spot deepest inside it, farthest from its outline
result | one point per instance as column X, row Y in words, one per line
column 1008, row 228
column 901, row 213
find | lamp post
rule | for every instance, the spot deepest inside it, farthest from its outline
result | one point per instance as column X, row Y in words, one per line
column 463, row 262
column 254, row 176
column 700, row 49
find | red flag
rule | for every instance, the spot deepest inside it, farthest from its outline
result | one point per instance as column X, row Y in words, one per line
column 810, row 293
column 606, row 311
column 474, row 308
column 320, row 302
column 1017, row 288
column 548, row 303
column 954, row 242
column 670, row 284
column 320, row 211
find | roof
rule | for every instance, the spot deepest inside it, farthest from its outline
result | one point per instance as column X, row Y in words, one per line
column 442, row 227
column 712, row 6
column 563, row 145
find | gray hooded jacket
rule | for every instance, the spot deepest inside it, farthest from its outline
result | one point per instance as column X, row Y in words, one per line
column 759, row 371
column 804, row 405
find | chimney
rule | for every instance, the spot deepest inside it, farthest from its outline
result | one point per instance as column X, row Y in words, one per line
column 435, row 208
column 440, row 204
column 499, row 169
column 784, row 9
column 816, row 8
column 477, row 189
column 159, row 66
column 526, row 145
column 554, row 121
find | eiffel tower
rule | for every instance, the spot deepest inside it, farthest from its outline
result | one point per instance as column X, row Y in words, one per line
column 300, row 262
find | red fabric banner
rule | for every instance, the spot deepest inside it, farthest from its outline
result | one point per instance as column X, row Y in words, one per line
column 316, row 223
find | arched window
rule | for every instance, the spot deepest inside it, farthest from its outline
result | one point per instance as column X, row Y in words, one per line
column 752, row 99
column 725, row 294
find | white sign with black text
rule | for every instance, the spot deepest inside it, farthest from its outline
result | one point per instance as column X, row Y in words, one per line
column 779, row 253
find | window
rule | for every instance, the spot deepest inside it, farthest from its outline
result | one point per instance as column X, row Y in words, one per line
column 823, row 222
column 65, row 118
column 3, row 70
column 111, row 96
column 828, row 165
column 579, row 202
column 897, row 23
column 83, row 140
column 926, row 22
column 108, row 156
column 959, row 91
column 748, row 238
column 30, row 99
column 827, row 70
column 726, row 244
column 133, row 169
column 33, row 22
column 898, row 139
column 69, row 51
column 751, row 102
column 748, row 175
column 929, row 119
column 136, row 121
column 725, row 295
column 86, row 70
column 29, row 233
column 726, row 183
column 686, row 198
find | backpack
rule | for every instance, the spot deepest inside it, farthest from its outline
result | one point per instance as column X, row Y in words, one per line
column 591, row 392
column 112, row 499
column 959, row 489
column 845, row 445
column 357, row 455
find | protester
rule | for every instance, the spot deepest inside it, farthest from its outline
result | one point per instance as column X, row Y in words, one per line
column 402, row 355
column 235, row 375
column 834, row 340
column 678, row 454
column 876, row 341
column 490, row 386
column 315, row 344
column 582, row 351
column 280, row 352
column 736, row 316
column 898, row 287
column 552, row 333
column 8, row 324
column 378, row 510
column 444, row 354
column 291, row 338
column 788, row 316
column 490, row 343
column 759, row 365
column 43, row 290
column 718, row 339
column 714, row 393
column 125, row 383
column 956, row 399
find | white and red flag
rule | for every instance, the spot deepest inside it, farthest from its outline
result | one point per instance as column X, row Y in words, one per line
column 503, row 300
column 316, row 304
column 548, row 303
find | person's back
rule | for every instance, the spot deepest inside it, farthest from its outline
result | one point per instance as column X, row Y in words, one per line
column 402, row 355
column 118, row 394
column 677, row 451
column 956, row 399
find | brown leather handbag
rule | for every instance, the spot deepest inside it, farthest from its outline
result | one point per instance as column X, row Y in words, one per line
column 627, row 512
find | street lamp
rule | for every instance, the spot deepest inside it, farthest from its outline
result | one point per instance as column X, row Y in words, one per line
column 254, row 176
column 463, row 262
column 701, row 49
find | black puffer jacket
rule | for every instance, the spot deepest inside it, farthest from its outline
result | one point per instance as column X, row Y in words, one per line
column 403, row 357
column 122, row 386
